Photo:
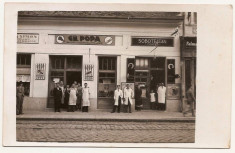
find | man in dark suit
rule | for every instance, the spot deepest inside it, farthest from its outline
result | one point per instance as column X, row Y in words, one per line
column 57, row 97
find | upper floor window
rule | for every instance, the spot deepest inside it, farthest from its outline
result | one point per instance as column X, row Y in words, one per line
column 23, row 60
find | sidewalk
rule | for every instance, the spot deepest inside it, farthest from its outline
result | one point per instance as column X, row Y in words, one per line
column 105, row 115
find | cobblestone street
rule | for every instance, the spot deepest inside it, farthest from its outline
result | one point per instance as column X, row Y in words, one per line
column 101, row 131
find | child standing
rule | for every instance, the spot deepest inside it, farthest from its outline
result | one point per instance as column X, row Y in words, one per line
column 152, row 99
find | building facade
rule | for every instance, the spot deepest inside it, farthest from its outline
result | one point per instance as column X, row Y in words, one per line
column 103, row 49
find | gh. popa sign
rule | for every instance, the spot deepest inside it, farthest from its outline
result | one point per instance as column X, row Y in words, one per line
column 76, row 39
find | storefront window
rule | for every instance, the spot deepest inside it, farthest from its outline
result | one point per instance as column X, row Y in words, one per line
column 57, row 63
column 23, row 60
column 107, row 77
column 23, row 72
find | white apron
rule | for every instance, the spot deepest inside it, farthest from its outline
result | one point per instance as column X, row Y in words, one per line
column 161, row 94
column 128, row 94
column 72, row 96
column 85, row 97
column 117, row 94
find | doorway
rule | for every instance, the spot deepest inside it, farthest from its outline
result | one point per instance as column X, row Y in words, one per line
column 63, row 68
column 73, row 76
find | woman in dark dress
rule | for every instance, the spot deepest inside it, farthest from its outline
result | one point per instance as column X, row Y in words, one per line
column 66, row 96
column 138, row 98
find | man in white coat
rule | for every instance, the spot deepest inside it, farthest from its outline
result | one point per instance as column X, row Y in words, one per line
column 118, row 95
column 161, row 96
column 128, row 95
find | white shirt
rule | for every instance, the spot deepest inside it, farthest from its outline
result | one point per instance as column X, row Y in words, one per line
column 152, row 97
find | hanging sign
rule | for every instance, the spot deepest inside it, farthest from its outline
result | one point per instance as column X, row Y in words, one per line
column 89, row 72
column 85, row 39
column 173, row 91
column 40, row 71
column 27, row 38
column 144, row 41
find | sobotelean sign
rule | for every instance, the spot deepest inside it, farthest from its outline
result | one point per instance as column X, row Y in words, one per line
column 163, row 42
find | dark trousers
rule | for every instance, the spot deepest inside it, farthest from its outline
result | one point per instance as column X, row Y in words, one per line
column 128, row 107
column 79, row 102
column 118, row 107
column 152, row 105
column 71, row 108
column 161, row 106
column 57, row 105
column 85, row 109
column 19, row 104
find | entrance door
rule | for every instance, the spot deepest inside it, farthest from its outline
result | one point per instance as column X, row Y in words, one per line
column 149, row 72
column 63, row 68
column 107, row 82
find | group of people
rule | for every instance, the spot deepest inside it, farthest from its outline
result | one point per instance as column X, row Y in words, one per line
column 123, row 97
column 74, row 97
column 157, row 99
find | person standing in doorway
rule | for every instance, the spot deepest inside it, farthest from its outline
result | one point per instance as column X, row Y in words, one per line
column 190, row 100
column 79, row 97
column 118, row 95
column 19, row 98
column 138, row 98
column 57, row 97
column 72, row 98
column 152, row 99
column 85, row 98
column 162, row 96
column 128, row 95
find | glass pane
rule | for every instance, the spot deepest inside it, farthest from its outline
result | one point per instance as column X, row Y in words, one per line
column 105, row 64
column 137, row 63
column 102, row 75
column 106, row 90
column 57, row 63
column 146, row 63
column 74, row 62
column 110, row 74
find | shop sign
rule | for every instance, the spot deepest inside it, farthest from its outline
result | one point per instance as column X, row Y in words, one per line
column 85, row 39
column 22, row 78
column 190, row 42
column 163, row 42
column 173, row 91
column 89, row 72
column 40, row 71
column 27, row 38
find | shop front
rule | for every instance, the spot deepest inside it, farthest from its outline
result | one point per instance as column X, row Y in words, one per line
column 115, row 52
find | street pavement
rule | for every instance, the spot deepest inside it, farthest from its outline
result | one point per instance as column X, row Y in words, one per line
column 105, row 131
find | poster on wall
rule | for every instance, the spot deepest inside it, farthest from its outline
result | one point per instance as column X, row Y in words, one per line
column 89, row 72
column 27, row 38
column 40, row 71
column 130, row 70
column 132, row 86
column 173, row 91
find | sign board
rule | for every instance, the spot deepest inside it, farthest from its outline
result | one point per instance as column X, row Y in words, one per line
column 89, row 72
column 130, row 70
column 190, row 42
column 173, row 91
column 27, row 38
column 40, row 71
column 147, row 41
column 76, row 39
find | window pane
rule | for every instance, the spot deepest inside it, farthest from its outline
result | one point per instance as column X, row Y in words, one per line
column 74, row 62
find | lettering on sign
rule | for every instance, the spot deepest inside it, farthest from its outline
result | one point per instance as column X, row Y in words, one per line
column 190, row 42
column 164, row 42
column 85, row 39
column 26, row 38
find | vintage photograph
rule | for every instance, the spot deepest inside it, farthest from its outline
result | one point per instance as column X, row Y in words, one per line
column 106, row 76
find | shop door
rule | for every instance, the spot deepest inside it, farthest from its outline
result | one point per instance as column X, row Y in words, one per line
column 107, row 82
column 63, row 68
column 149, row 73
